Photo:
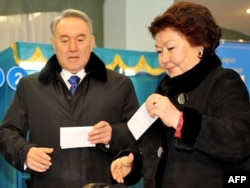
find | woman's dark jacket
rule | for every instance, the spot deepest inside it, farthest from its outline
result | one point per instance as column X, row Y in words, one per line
column 215, row 139
column 43, row 104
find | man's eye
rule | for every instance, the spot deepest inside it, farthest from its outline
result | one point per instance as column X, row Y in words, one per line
column 171, row 48
column 80, row 41
column 64, row 40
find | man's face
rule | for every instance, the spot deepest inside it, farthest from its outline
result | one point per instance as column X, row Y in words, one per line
column 73, row 43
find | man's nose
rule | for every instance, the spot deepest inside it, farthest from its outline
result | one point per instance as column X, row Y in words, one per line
column 72, row 45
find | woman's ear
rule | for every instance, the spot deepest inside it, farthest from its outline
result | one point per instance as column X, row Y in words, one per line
column 200, row 52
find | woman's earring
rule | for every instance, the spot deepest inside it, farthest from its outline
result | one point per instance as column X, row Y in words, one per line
column 200, row 53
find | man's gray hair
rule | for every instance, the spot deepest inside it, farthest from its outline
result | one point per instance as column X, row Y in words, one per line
column 71, row 13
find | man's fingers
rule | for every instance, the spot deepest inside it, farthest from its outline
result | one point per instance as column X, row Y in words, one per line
column 39, row 167
column 101, row 133
column 38, row 159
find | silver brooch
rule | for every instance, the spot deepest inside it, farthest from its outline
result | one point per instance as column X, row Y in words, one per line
column 182, row 98
column 160, row 152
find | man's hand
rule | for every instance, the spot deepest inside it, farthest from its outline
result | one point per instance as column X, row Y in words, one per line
column 101, row 133
column 38, row 159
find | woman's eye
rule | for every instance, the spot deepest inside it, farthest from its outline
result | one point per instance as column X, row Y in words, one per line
column 158, row 51
column 171, row 48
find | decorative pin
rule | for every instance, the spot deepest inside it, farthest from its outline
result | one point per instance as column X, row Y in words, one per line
column 160, row 152
column 182, row 98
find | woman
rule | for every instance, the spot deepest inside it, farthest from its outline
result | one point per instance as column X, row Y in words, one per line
column 202, row 133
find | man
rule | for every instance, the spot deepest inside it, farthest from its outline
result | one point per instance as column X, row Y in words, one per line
column 43, row 104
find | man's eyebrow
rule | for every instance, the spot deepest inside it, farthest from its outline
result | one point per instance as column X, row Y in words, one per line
column 80, row 35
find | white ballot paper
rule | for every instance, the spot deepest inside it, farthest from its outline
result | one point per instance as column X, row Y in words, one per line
column 140, row 122
column 75, row 137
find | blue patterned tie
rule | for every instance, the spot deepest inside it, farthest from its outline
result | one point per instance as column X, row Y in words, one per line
column 73, row 80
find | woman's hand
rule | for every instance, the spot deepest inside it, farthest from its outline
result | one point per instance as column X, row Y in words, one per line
column 160, row 106
column 121, row 167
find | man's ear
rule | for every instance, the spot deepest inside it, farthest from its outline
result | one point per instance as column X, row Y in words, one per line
column 92, row 42
column 53, row 43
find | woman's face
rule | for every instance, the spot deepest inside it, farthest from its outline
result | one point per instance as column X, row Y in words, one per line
column 175, row 54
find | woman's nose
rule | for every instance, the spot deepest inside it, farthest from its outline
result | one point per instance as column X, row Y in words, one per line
column 165, row 57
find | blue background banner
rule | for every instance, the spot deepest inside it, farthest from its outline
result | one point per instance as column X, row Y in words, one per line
column 237, row 57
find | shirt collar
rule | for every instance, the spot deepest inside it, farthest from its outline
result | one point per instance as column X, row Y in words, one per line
column 66, row 75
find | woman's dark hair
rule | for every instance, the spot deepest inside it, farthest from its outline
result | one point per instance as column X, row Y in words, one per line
column 194, row 21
